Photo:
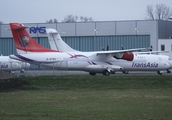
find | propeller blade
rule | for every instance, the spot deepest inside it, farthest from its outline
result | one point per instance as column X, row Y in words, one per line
column 151, row 48
column 122, row 47
column 103, row 49
column 107, row 48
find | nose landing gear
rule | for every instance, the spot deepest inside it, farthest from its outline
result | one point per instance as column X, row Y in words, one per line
column 106, row 73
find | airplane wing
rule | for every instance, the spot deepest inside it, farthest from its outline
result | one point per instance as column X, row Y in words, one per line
column 120, row 51
column 121, row 54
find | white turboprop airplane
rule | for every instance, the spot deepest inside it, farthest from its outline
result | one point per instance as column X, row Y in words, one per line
column 105, row 62
column 11, row 65
column 56, row 43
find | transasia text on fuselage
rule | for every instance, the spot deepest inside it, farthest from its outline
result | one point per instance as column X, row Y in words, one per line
column 145, row 65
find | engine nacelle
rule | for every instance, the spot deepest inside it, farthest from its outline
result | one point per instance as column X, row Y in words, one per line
column 95, row 68
column 102, row 68
column 115, row 67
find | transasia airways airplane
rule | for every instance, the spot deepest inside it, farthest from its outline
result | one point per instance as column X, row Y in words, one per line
column 56, row 43
column 11, row 65
column 105, row 62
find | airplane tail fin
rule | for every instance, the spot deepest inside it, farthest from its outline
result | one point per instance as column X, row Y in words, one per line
column 56, row 42
column 24, row 42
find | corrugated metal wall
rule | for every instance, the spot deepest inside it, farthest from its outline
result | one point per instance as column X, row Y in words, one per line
column 94, row 29
column 86, row 43
column 7, row 46
column 165, row 31
column 95, row 43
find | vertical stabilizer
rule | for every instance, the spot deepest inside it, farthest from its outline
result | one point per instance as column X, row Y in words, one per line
column 24, row 42
column 56, row 42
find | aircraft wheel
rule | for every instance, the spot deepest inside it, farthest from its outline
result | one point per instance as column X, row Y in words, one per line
column 168, row 71
column 12, row 72
column 92, row 74
column 125, row 72
column 21, row 71
column 159, row 72
column 106, row 73
column 112, row 72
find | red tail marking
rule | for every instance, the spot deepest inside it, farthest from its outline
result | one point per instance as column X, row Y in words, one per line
column 24, row 41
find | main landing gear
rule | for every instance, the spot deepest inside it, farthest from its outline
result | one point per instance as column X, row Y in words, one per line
column 125, row 72
column 106, row 73
column 93, row 74
column 168, row 71
column 160, row 72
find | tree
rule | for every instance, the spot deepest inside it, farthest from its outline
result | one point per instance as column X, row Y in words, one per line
column 72, row 18
column 86, row 19
column 55, row 20
column 161, row 12
column 52, row 21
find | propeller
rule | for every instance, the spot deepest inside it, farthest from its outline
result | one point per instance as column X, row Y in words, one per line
column 107, row 48
column 122, row 47
column 103, row 49
column 151, row 48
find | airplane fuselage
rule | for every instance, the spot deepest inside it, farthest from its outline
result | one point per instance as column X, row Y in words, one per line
column 91, row 62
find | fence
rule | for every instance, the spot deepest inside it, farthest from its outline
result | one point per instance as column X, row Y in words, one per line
column 59, row 68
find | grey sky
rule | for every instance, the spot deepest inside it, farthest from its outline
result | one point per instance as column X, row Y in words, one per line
column 38, row 11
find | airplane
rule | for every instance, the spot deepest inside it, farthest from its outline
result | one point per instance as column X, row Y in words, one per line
column 11, row 65
column 104, row 62
column 56, row 43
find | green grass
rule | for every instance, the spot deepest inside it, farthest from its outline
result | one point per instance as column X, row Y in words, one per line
column 86, row 98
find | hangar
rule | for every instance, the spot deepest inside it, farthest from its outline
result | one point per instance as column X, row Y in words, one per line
column 92, row 36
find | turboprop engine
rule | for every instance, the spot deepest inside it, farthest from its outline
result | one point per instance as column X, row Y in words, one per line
column 105, row 69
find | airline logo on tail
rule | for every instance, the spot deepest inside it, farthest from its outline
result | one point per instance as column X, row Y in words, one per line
column 24, row 40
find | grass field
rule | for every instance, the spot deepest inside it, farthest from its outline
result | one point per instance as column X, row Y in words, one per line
column 86, row 98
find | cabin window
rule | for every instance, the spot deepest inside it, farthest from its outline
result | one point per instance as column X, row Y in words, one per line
column 162, row 47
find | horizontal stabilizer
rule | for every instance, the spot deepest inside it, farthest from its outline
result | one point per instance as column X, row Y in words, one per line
column 20, row 28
